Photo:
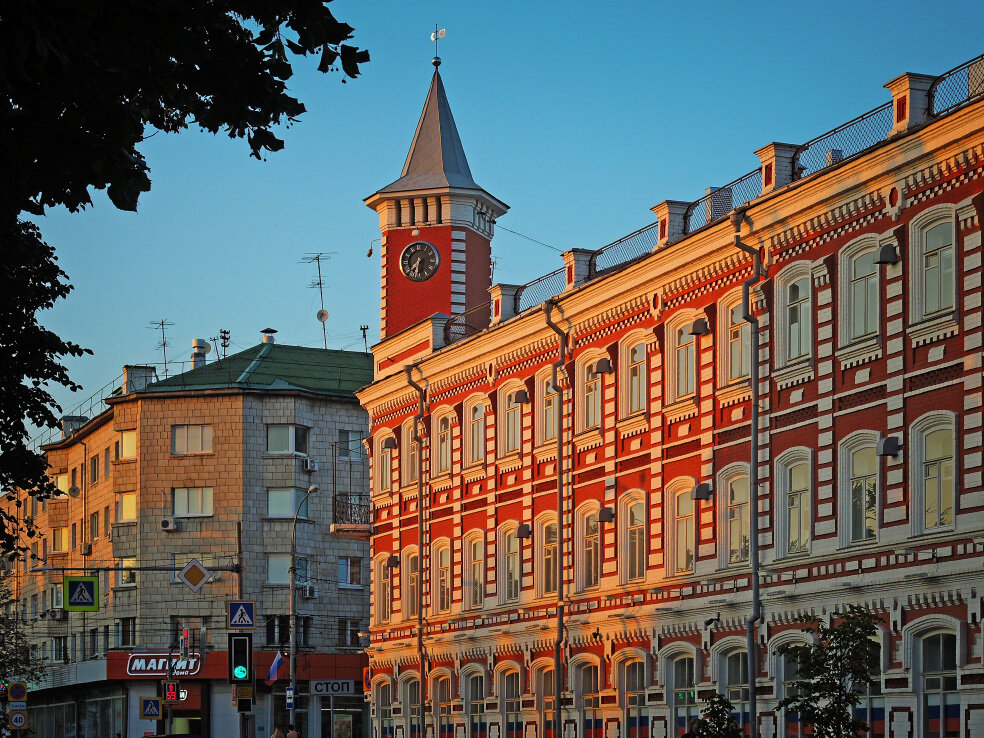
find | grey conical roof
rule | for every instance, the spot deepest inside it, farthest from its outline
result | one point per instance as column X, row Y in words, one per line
column 436, row 158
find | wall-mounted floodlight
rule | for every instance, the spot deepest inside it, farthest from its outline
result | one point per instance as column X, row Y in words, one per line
column 699, row 327
column 524, row 531
column 703, row 492
column 888, row 446
column 606, row 515
column 887, row 254
column 389, row 444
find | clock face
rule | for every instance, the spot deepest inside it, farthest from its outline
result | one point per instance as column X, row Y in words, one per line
column 419, row 261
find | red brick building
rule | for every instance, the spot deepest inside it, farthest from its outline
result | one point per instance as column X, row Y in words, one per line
column 869, row 486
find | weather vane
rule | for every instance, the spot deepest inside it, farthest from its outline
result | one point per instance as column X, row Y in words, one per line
column 438, row 34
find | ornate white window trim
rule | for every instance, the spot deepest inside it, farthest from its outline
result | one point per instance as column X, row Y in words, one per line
column 924, row 425
column 633, row 376
column 850, row 444
column 726, row 305
column 678, row 486
column 784, row 280
column 732, row 473
column 918, row 228
column 781, row 484
column 509, row 445
column 846, row 304
column 671, row 357
column 625, row 529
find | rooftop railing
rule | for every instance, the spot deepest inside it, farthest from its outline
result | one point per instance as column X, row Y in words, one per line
column 625, row 249
column 89, row 408
column 845, row 141
column 468, row 323
column 541, row 289
column 957, row 87
column 717, row 204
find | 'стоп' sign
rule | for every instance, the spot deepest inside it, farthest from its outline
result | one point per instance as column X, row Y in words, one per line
column 333, row 687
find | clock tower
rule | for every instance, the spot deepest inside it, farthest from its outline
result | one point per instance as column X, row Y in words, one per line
column 437, row 225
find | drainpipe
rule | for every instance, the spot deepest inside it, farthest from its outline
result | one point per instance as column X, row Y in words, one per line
column 548, row 308
column 417, row 420
column 758, row 273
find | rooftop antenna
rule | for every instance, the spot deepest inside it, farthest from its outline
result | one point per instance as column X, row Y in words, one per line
column 364, row 329
column 322, row 314
column 224, row 338
column 435, row 37
column 163, row 324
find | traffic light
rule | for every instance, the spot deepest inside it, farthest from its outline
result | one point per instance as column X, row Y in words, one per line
column 172, row 691
column 240, row 658
column 185, row 643
column 3, row 689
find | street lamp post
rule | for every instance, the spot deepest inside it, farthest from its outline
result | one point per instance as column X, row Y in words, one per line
column 293, row 600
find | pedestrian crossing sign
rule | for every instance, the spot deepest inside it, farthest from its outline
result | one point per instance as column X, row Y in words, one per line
column 81, row 593
column 150, row 708
column 242, row 614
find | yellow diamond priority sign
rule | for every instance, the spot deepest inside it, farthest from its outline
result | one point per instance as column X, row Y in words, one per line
column 194, row 575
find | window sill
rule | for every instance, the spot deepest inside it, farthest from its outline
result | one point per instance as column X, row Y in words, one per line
column 441, row 483
column 733, row 393
column 860, row 352
column 546, row 451
column 124, row 587
column 633, row 425
column 286, row 518
column 193, row 454
column 474, row 472
column 192, row 516
column 283, row 455
column 356, row 587
column 588, row 439
column 681, row 410
column 933, row 329
column 793, row 374
column 512, row 462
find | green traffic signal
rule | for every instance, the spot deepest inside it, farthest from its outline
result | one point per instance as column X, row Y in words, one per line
column 240, row 672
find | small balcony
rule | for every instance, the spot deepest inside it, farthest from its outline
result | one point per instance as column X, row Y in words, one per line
column 352, row 516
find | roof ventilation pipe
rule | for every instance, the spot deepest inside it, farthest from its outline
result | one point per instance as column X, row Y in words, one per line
column 199, row 349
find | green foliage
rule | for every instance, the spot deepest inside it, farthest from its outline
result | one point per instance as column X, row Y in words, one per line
column 81, row 86
column 832, row 673
column 716, row 717
column 16, row 663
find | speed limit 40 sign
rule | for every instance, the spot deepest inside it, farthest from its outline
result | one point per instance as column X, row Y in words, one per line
column 17, row 719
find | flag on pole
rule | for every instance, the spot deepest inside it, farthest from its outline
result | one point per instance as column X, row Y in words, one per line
column 439, row 34
column 278, row 662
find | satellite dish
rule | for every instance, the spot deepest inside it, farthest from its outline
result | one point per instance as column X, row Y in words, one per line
column 322, row 315
column 74, row 491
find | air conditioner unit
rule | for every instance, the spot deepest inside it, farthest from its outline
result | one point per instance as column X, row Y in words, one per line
column 310, row 465
column 169, row 525
column 58, row 613
column 87, row 549
column 308, row 592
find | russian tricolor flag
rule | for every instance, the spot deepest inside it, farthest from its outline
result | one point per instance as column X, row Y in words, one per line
column 278, row 662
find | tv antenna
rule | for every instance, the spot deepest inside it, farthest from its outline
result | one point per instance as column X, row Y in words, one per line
column 364, row 329
column 163, row 324
column 223, row 337
column 322, row 314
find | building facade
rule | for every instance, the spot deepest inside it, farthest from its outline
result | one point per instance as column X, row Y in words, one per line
column 210, row 464
column 601, row 416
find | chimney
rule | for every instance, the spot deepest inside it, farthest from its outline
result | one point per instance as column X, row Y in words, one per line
column 504, row 301
column 135, row 378
column 268, row 335
column 577, row 263
column 199, row 348
column 71, row 423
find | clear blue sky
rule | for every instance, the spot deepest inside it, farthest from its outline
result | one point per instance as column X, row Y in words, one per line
column 580, row 116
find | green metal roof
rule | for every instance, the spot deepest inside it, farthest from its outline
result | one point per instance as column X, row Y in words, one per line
column 274, row 366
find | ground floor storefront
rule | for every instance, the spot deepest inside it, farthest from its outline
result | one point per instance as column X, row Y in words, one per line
column 102, row 697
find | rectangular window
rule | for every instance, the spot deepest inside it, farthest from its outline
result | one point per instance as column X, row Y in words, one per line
column 411, row 603
column 61, row 482
column 350, row 571
column 637, row 541
column 684, row 533
column 798, row 315
column 592, row 397
column 938, row 479
column 550, row 558
column 125, row 574
column 798, row 515
column 513, row 579
column 443, row 460
column 384, row 593
column 739, row 337
column 549, row 411
column 513, row 424
column 738, row 521
column 278, row 569
column 93, row 526
column 283, row 502
column 59, row 540
column 938, row 269
column 383, row 467
column 106, row 466
column 128, row 444
column 126, row 507
column 349, row 444
column 126, row 632
column 864, row 296
column 74, row 536
column 348, row 633
column 75, row 475
column 476, row 434
column 444, row 579
column 477, row 561
column 287, row 439
column 277, row 629
column 411, row 470
column 94, row 469
column 191, row 439
column 637, row 378
column 192, row 501
column 592, row 550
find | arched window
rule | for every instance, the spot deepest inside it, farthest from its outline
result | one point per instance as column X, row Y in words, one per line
column 940, row 698
column 509, row 424
column 410, row 583
column 589, row 558
column 510, row 564
column 634, row 696
column 547, row 532
column 634, row 548
column 871, row 708
column 735, row 356
column 475, row 568
column 384, row 708
column 794, row 309
column 933, row 267
column 549, row 400
column 442, row 444
column 384, row 590
column 588, row 700
column 859, row 488
column 736, row 684
column 633, row 375
column 545, row 699
column 382, row 463
column 442, row 577
column 794, row 482
column 683, row 527
column 590, row 384
column 682, row 693
column 738, row 516
column 789, row 672
column 859, row 294
column 684, row 354
column 512, row 716
column 932, row 462
column 475, row 705
column 411, row 709
column 410, row 455
column 475, row 432
column 442, row 706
